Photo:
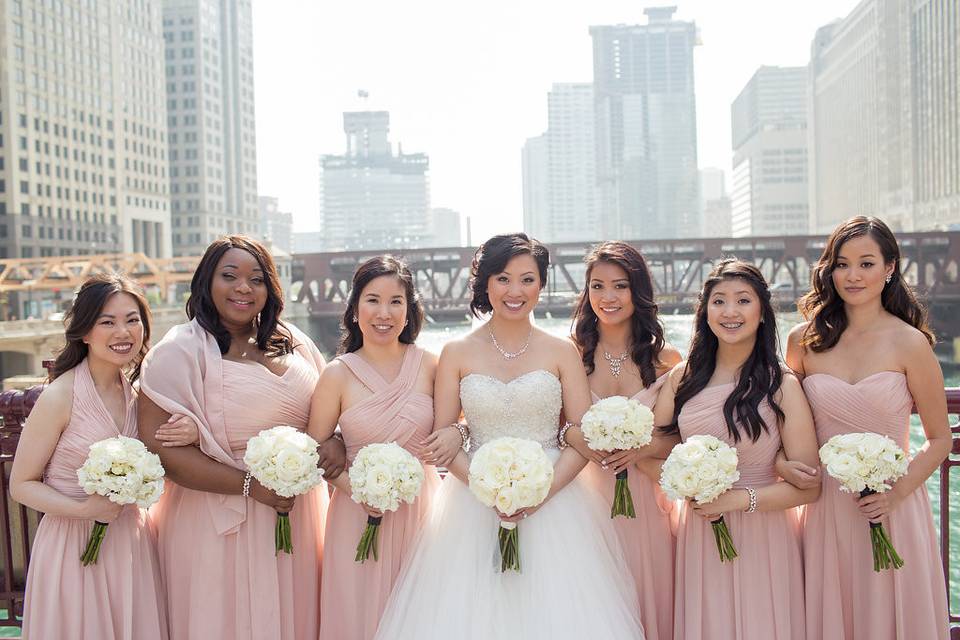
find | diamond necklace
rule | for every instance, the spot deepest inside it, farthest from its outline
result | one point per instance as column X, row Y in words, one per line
column 615, row 362
column 507, row 355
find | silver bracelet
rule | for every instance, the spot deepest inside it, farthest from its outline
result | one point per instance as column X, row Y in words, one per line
column 753, row 500
column 464, row 435
column 562, row 436
column 246, row 484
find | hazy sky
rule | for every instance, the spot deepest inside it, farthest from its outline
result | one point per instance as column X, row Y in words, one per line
column 467, row 83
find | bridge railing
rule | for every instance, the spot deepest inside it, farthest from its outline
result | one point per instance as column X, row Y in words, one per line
column 18, row 524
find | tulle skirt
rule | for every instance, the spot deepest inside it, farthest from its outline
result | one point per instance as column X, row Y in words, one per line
column 573, row 584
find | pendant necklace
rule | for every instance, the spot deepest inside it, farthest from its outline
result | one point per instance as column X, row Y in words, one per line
column 615, row 362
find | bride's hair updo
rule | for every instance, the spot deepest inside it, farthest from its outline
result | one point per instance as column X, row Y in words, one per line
column 492, row 258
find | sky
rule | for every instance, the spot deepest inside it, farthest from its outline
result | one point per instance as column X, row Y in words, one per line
column 467, row 83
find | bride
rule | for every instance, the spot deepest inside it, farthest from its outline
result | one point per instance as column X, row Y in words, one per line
column 511, row 378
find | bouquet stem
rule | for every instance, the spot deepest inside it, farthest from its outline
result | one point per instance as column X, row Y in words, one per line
column 509, row 537
column 281, row 533
column 622, row 498
column 368, row 541
column 724, row 542
column 884, row 555
column 92, row 551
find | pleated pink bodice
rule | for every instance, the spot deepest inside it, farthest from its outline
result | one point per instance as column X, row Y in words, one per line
column 846, row 598
column 760, row 594
column 122, row 595
column 354, row 595
column 648, row 541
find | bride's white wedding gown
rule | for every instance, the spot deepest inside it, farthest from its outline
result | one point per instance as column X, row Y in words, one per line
column 573, row 583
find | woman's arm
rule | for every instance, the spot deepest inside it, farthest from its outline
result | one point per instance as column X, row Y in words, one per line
column 446, row 403
column 797, row 473
column 191, row 468
column 38, row 440
column 799, row 443
column 925, row 381
column 326, row 405
column 576, row 401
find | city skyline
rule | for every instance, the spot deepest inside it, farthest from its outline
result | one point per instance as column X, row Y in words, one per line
column 471, row 100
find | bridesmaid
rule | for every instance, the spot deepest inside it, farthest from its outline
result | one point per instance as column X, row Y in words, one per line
column 623, row 350
column 732, row 387
column 236, row 368
column 866, row 357
column 380, row 389
column 89, row 399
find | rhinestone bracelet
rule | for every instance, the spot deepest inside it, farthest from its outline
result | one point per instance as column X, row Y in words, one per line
column 753, row 500
column 562, row 436
column 246, row 484
column 464, row 435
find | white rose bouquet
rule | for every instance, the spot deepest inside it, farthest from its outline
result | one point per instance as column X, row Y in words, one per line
column 122, row 470
column 614, row 424
column 382, row 476
column 510, row 474
column 866, row 463
column 284, row 460
column 702, row 468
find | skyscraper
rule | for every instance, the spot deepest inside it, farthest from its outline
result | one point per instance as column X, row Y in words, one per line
column 210, row 104
column 372, row 198
column 770, row 154
column 536, row 211
column 82, row 130
column 570, row 191
column 276, row 227
column 935, row 84
column 646, row 127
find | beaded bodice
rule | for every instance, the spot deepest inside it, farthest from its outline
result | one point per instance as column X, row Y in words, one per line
column 526, row 407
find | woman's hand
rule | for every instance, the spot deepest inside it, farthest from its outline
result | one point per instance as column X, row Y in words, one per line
column 178, row 431
column 574, row 438
column 617, row 461
column 333, row 457
column 879, row 505
column 518, row 515
column 373, row 513
column 730, row 500
column 100, row 509
column 265, row 496
column 441, row 446
column 800, row 475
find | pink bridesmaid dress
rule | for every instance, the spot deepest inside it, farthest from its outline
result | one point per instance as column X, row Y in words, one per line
column 846, row 598
column 224, row 579
column 758, row 596
column 354, row 595
column 121, row 596
column 648, row 541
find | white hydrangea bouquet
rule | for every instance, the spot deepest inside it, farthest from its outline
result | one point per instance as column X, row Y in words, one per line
column 284, row 460
column 615, row 424
column 122, row 470
column 702, row 468
column 866, row 463
column 382, row 476
column 510, row 474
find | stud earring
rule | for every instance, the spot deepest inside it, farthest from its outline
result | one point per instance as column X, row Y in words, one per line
column 354, row 318
column 888, row 279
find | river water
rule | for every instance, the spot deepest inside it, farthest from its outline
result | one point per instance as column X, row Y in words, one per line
column 678, row 328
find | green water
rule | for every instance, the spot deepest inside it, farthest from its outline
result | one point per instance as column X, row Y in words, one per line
column 678, row 329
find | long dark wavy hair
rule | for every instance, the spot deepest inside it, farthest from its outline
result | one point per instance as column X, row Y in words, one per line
column 760, row 376
column 273, row 336
column 82, row 317
column 823, row 306
column 351, row 338
column 492, row 258
column 645, row 329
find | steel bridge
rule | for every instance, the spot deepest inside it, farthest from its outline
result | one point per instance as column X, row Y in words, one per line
column 931, row 261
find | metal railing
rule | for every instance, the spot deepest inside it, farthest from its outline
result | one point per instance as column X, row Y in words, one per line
column 18, row 524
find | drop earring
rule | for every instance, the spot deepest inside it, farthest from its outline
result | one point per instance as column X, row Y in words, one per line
column 888, row 279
